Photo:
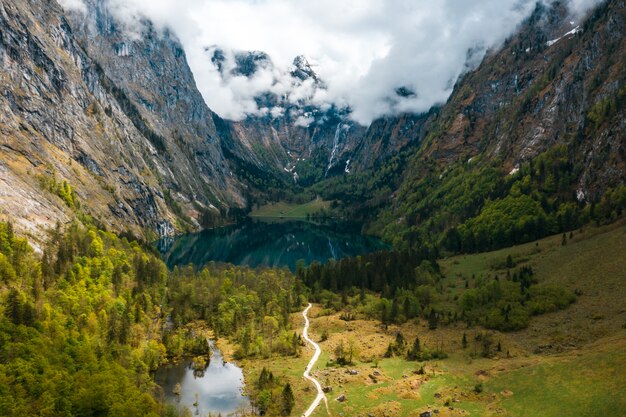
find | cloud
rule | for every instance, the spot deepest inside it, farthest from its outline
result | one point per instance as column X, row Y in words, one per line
column 364, row 50
column 74, row 5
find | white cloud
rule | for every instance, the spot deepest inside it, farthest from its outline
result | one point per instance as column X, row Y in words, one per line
column 363, row 49
column 74, row 5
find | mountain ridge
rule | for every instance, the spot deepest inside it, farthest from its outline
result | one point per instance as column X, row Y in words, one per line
column 146, row 153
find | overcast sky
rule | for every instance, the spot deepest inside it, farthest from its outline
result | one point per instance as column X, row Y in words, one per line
column 363, row 49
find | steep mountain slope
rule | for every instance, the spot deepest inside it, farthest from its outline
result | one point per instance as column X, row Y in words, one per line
column 527, row 144
column 98, row 120
column 74, row 141
column 530, row 143
column 151, row 69
column 545, row 87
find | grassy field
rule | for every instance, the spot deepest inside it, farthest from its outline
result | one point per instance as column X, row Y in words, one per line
column 586, row 382
column 292, row 211
column 567, row 363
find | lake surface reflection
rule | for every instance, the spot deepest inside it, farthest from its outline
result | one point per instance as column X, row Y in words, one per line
column 268, row 243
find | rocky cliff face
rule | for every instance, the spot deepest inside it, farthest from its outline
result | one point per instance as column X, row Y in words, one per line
column 547, row 85
column 557, row 82
column 151, row 70
column 97, row 121
column 115, row 133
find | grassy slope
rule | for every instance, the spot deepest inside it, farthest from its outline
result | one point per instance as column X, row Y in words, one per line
column 288, row 210
column 592, row 262
column 566, row 363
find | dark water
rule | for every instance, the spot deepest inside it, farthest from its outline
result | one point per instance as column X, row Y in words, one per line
column 268, row 243
column 217, row 391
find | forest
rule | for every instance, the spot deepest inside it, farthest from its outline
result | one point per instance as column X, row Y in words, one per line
column 395, row 288
column 84, row 325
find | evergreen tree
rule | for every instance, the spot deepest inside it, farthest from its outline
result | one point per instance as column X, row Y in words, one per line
column 287, row 400
column 407, row 308
column 384, row 315
column 400, row 344
column 395, row 310
column 389, row 351
column 13, row 310
column 415, row 351
column 433, row 320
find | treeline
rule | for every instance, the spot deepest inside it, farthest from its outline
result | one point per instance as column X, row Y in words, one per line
column 394, row 288
column 84, row 325
column 361, row 195
column 507, row 303
column 381, row 272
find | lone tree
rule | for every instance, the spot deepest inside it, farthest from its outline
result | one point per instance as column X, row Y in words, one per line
column 340, row 353
column 400, row 343
column 415, row 351
column 433, row 320
column 288, row 401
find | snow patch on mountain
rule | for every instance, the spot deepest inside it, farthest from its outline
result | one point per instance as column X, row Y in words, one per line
column 570, row 33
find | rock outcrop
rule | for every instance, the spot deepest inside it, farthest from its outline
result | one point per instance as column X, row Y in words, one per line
column 121, row 124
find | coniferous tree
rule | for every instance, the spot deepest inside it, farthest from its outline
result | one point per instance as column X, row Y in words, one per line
column 287, row 400
column 389, row 351
column 395, row 310
column 415, row 351
column 13, row 310
column 433, row 320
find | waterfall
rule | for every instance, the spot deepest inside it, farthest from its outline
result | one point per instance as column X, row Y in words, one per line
column 333, row 252
column 341, row 128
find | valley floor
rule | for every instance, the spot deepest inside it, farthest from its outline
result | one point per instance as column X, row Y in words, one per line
column 290, row 210
column 569, row 362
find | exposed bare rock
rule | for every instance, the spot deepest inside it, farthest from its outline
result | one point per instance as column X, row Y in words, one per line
column 65, row 116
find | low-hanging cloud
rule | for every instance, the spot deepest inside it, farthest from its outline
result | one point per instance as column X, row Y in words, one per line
column 363, row 50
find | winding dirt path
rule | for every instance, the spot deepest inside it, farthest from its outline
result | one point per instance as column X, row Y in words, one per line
column 318, row 351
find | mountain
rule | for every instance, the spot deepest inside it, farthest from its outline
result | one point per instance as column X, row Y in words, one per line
column 296, row 137
column 98, row 125
column 290, row 136
column 100, row 121
column 530, row 143
column 547, row 86
column 151, row 69
column 504, row 207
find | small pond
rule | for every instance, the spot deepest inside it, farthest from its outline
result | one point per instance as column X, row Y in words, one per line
column 217, row 390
